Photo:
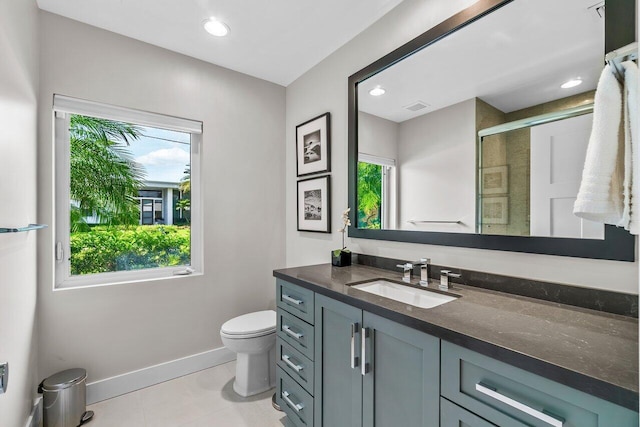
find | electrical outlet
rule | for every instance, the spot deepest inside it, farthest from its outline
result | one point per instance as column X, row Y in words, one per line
column 4, row 377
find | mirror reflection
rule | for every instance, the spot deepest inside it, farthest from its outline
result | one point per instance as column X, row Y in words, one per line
column 485, row 131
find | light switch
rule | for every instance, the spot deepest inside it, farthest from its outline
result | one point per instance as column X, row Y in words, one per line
column 4, row 376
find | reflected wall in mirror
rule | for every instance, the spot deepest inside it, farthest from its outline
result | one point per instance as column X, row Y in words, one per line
column 418, row 142
column 478, row 128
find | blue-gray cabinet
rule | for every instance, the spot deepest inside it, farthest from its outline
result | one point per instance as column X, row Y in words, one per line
column 511, row 397
column 372, row 371
column 338, row 377
column 451, row 415
column 295, row 352
column 341, row 366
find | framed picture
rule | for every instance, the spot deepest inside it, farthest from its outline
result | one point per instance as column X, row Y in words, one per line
column 313, row 146
column 495, row 210
column 314, row 205
column 495, row 180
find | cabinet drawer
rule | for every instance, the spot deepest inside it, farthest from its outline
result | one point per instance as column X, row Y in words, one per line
column 509, row 396
column 296, row 332
column 451, row 415
column 294, row 401
column 294, row 363
column 295, row 300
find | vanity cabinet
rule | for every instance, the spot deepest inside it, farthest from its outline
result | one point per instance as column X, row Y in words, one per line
column 339, row 365
column 511, row 397
column 295, row 353
column 373, row 371
column 451, row 415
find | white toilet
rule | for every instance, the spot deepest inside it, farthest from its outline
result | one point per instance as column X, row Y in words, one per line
column 253, row 337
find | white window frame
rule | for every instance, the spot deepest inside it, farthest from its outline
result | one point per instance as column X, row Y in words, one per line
column 63, row 107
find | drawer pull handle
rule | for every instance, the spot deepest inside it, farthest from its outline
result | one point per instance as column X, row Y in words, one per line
column 287, row 359
column 354, row 358
column 292, row 300
column 492, row 392
column 289, row 331
column 363, row 351
column 296, row 406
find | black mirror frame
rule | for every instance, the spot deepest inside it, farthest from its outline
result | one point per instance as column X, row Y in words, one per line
column 618, row 244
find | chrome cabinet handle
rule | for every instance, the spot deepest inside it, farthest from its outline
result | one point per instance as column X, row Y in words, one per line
column 354, row 358
column 292, row 300
column 363, row 351
column 296, row 406
column 492, row 392
column 287, row 359
column 289, row 331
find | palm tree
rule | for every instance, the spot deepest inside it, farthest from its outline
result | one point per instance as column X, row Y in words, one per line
column 183, row 205
column 185, row 182
column 104, row 177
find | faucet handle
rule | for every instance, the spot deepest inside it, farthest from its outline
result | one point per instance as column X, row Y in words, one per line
column 407, row 271
column 445, row 275
column 423, row 261
column 448, row 273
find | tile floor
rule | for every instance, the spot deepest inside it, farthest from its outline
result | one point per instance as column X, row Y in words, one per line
column 203, row 399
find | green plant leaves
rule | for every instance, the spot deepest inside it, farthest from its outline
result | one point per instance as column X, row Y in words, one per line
column 104, row 249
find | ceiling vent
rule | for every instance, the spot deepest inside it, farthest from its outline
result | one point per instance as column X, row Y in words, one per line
column 416, row 106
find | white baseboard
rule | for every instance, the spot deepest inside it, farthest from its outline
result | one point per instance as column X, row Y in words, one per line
column 135, row 380
column 35, row 418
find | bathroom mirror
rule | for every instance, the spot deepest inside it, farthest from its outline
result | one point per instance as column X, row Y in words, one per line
column 465, row 136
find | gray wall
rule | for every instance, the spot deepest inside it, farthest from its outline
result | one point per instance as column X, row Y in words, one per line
column 378, row 136
column 115, row 329
column 18, row 139
column 437, row 151
column 324, row 88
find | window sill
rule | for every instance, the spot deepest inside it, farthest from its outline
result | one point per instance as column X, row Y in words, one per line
column 155, row 276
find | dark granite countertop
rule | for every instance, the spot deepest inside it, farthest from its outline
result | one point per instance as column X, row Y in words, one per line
column 590, row 351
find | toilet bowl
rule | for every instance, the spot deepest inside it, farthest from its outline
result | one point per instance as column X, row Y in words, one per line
column 253, row 337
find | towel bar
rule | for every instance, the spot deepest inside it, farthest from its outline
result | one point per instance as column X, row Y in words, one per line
column 616, row 57
column 20, row 229
column 415, row 221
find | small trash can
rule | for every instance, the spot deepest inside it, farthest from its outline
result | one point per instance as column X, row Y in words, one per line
column 65, row 400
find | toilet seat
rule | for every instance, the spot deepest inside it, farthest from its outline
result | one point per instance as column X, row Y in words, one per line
column 250, row 325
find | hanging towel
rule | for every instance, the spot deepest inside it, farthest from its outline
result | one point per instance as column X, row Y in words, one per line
column 626, row 184
column 600, row 197
column 632, row 144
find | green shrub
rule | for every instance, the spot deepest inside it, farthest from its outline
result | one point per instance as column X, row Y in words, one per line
column 115, row 248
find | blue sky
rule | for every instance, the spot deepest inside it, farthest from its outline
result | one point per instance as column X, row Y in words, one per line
column 163, row 153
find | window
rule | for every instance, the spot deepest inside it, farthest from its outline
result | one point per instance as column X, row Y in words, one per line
column 127, row 194
column 376, row 192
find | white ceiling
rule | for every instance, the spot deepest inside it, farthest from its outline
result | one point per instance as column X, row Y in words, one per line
column 275, row 40
column 513, row 58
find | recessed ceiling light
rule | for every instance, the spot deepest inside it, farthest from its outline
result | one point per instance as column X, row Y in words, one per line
column 571, row 83
column 377, row 91
column 215, row 27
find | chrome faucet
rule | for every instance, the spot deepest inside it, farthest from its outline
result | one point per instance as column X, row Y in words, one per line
column 445, row 275
column 407, row 270
column 425, row 270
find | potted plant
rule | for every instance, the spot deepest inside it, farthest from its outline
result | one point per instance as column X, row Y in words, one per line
column 342, row 257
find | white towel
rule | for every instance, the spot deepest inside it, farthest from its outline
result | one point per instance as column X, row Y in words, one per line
column 632, row 143
column 600, row 197
column 626, row 184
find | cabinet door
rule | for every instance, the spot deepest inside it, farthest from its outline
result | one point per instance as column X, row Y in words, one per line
column 454, row 416
column 338, row 381
column 402, row 387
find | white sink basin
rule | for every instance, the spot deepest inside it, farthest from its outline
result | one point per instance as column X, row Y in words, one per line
column 406, row 294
